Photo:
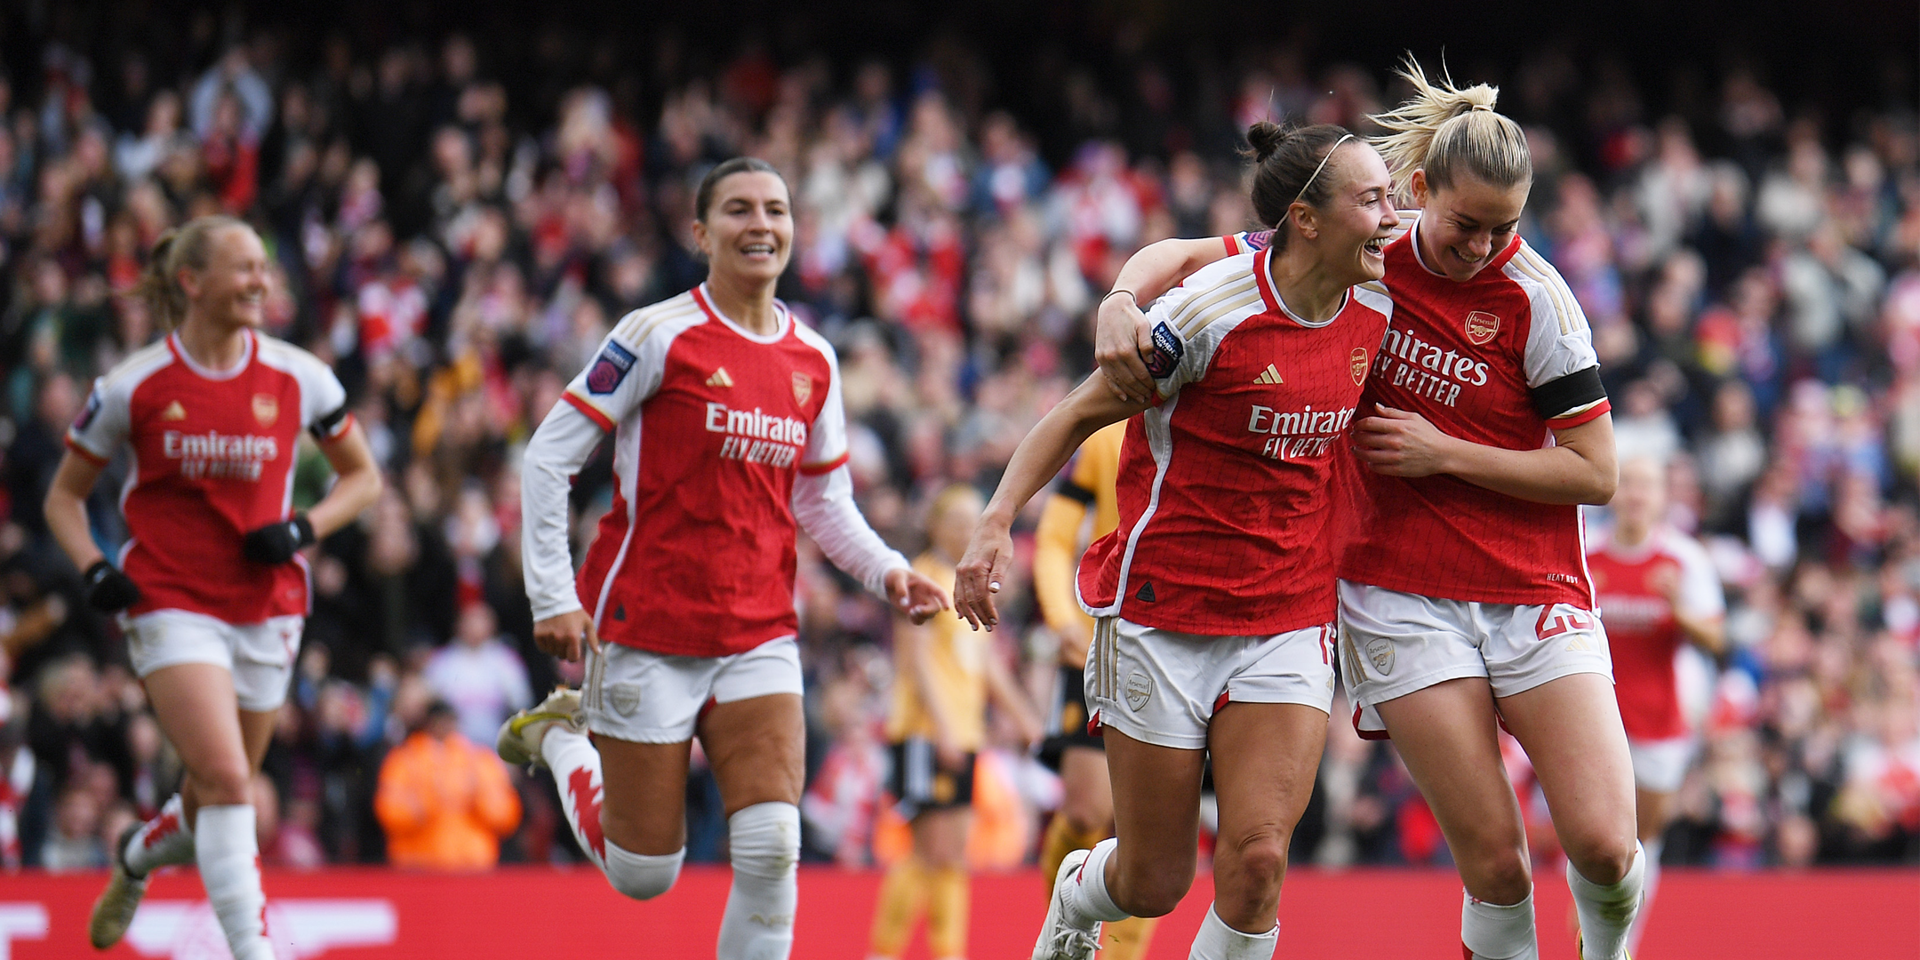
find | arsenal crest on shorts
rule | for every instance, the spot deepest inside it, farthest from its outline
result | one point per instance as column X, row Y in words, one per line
column 802, row 387
column 1359, row 366
column 1481, row 326
column 266, row 408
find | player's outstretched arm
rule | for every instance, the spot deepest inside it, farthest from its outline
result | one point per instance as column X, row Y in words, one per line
column 1579, row 468
column 1122, row 339
column 1040, row 456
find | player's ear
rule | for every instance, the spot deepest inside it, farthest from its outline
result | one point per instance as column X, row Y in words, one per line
column 1420, row 187
column 701, row 241
column 1304, row 219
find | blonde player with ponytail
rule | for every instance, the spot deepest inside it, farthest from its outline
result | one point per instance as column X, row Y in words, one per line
column 211, row 581
column 1465, row 601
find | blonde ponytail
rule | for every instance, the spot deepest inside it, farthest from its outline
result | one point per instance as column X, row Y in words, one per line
column 1448, row 131
column 183, row 247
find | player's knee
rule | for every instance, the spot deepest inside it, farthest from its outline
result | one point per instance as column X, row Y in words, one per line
column 1156, row 892
column 1261, row 859
column 764, row 839
column 1602, row 860
column 640, row 876
column 1499, row 875
column 224, row 783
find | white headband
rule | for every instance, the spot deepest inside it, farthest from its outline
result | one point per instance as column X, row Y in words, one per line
column 1322, row 166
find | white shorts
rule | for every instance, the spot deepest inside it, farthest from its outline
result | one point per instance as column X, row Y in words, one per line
column 259, row 655
column 645, row 697
column 1659, row 766
column 1163, row 687
column 1396, row 643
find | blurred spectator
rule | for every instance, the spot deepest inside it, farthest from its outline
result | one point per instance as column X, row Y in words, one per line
column 444, row 801
column 480, row 676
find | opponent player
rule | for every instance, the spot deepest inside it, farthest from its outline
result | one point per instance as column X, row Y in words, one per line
column 211, row 580
column 944, row 677
column 1085, row 816
column 1658, row 591
column 1464, row 593
column 1215, row 593
column 727, row 431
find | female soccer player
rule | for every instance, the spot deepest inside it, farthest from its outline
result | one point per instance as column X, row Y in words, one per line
column 1464, row 595
column 1215, row 594
column 211, row 579
column 1658, row 592
column 727, row 429
column 944, row 676
column 1085, row 816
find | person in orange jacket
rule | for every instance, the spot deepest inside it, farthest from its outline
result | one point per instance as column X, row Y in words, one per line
column 444, row 802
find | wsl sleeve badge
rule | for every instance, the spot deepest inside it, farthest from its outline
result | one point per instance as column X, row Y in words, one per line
column 1167, row 351
column 609, row 368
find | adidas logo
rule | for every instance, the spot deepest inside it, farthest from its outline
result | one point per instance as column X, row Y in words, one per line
column 1270, row 376
column 1145, row 593
column 720, row 379
column 174, row 411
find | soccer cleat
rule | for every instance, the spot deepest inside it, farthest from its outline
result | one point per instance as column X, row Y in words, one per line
column 113, row 912
column 1058, row 940
column 519, row 739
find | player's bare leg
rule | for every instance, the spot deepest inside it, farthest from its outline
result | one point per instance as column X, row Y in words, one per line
column 164, row 840
column 198, row 711
column 1571, row 730
column 1448, row 738
column 1652, row 808
column 1148, row 865
column 1085, row 818
column 757, row 748
column 1266, row 757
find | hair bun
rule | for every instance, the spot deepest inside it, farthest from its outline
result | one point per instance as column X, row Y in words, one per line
column 1265, row 137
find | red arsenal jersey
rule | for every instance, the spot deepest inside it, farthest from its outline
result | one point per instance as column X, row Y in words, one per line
column 213, row 457
column 1502, row 360
column 1223, row 486
column 710, row 423
column 1633, row 585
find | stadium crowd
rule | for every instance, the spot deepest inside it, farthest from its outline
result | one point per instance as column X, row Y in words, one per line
column 456, row 243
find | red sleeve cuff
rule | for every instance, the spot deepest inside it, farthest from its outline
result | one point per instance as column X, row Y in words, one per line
column 346, row 424
column 587, row 408
column 827, row 466
column 1583, row 416
column 85, row 454
column 1232, row 248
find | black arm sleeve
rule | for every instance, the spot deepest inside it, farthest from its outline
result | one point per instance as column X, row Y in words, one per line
column 326, row 425
column 1575, row 390
column 1073, row 491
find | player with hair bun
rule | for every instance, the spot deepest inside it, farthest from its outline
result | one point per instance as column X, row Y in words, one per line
column 212, row 584
column 728, row 436
column 1214, row 595
column 1465, row 601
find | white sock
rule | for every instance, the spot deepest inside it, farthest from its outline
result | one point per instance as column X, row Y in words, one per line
column 1087, row 901
column 576, row 770
column 229, row 858
column 1492, row 931
column 763, row 841
column 165, row 840
column 1606, row 912
column 1649, row 851
column 643, row 876
column 1217, row 941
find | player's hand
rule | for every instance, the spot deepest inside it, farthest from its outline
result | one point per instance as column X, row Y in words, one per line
column 915, row 594
column 566, row 635
column 278, row 542
column 981, row 573
column 1401, row 443
column 1122, row 342
column 109, row 590
column 1076, row 636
